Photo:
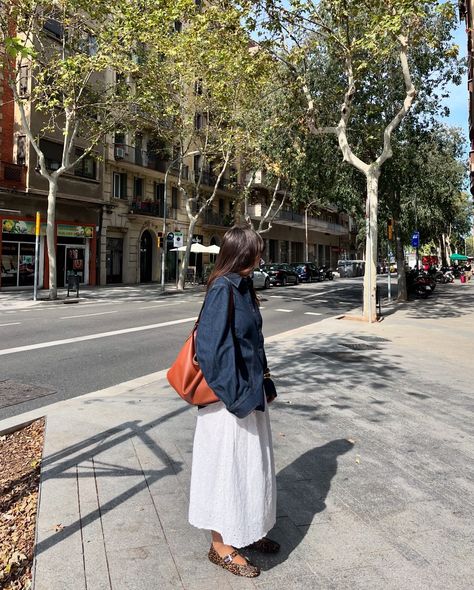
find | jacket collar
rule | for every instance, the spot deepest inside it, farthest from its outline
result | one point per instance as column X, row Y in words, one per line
column 236, row 279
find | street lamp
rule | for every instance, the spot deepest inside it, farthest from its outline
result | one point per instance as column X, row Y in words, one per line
column 165, row 213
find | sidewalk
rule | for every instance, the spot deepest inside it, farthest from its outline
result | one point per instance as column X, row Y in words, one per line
column 13, row 300
column 373, row 446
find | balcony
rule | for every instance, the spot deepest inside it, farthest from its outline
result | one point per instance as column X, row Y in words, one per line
column 290, row 218
column 12, row 175
column 138, row 157
column 143, row 207
column 209, row 179
column 216, row 219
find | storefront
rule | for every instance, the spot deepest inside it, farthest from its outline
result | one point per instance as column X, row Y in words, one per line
column 17, row 253
column 75, row 253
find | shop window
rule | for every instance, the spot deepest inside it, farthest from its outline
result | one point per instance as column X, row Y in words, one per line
column 87, row 167
column 138, row 187
column 120, row 185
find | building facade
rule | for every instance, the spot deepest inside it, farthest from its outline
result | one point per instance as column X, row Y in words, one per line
column 116, row 208
column 467, row 14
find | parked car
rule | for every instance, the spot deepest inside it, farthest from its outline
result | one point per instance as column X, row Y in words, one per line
column 260, row 279
column 307, row 271
column 281, row 274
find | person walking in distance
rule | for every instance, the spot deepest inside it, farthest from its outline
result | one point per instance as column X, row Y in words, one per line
column 233, row 488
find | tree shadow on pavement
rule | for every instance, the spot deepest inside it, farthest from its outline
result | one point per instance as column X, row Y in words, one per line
column 303, row 487
column 448, row 301
column 64, row 465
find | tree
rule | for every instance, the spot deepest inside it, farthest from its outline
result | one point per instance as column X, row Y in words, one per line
column 355, row 45
column 214, row 78
column 80, row 57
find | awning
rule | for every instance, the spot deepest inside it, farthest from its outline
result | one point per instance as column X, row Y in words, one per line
column 457, row 256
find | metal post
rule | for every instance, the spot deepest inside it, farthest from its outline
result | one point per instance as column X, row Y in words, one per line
column 389, row 279
column 306, row 257
column 165, row 237
column 37, row 243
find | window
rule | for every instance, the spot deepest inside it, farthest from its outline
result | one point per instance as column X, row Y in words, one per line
column 221, row 206
column 120, row 138
column 138, row 187
column 160, row 198
column 178, row 26
column 86, row 168
column 23, row 80
column 198, row 87
column 198, row 121
column 53, row 153
column 197, row 163
column 120, row 185
column 54, row 28
column 174, row 198
column 21, row 150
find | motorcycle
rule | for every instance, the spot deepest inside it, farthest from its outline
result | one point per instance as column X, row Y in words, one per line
column 327, row 272
column 419, row 283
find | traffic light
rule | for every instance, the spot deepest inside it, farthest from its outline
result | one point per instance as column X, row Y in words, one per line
column 160, row 240
column 390, row 229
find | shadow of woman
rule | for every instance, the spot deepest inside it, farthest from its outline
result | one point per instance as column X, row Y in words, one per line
column 303, row 487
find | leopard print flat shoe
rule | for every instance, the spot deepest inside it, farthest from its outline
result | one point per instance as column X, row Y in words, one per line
column 265, row 545
column 247, row 571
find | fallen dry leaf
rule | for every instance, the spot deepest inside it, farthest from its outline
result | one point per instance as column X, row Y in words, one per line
column 58, row 528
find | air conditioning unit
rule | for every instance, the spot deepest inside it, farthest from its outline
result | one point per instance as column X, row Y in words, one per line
column 119, row 153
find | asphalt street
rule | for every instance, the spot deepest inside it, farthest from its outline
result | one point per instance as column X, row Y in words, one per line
column 62, row 351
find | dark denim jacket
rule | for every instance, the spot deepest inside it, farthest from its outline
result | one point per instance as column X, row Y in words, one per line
column 233, row 365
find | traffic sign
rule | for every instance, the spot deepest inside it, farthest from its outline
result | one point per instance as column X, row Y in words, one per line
column 178, row 239
column 170, row 236
column 415, row 239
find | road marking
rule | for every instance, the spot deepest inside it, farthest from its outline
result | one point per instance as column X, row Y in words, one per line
column 93, row 336
column 10, row 312
column 321, row 301
column 285, row 310
column 312, row 313
column 296, row 298
column 85, row 315
column 277, row 296
column 11, row 324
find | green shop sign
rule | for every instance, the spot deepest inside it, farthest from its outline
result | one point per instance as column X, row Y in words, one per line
column 75, row 231
column 19, row 228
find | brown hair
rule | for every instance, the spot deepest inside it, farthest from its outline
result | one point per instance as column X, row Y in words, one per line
column 240, row 247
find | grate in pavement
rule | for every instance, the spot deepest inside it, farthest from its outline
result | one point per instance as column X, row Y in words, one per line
column 373, row 338
column 343, row 357
column 14, row 392
column 359, row 346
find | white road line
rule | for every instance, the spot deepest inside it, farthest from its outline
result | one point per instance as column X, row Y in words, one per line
column 9, row 312
column 11, row 324
column 151, row 306
column 277, row 296
column 86, row 315
column 321, row 301
column 92, row 336
column 312, row 313
column 285, row 310
column 296, row 298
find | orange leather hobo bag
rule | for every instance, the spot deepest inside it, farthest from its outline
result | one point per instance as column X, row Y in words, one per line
column 185, row 375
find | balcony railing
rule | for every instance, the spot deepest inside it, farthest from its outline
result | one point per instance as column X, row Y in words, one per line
column 218, row 219
column 133, row 155
column 12, row 175
column 143, row 207
column 297, row 220
column 209, row 179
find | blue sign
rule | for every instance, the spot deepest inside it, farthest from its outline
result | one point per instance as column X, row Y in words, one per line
column 415, row 239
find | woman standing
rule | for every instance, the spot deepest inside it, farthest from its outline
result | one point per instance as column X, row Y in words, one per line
column 233, row 490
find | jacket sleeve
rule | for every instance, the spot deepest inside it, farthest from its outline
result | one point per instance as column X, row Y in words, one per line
column 215, row 348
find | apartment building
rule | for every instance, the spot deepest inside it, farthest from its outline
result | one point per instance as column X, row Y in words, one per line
column 466, row 8
column 24, row 192
column 111, row 209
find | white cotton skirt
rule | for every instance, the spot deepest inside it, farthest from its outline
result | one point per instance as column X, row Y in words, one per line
column 233, row 487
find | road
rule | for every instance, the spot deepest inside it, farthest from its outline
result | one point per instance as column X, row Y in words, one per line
column 62, row 351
